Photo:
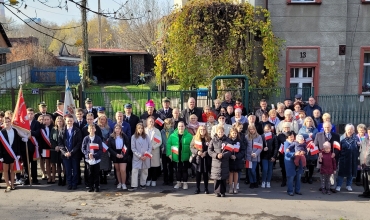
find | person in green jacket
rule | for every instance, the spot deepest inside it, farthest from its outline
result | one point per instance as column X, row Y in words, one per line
column 178, row 150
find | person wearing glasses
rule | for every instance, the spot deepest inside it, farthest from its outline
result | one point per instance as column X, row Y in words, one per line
column 239, row 104
column 221, row 122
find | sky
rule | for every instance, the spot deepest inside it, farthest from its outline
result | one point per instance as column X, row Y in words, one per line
column 35, row 9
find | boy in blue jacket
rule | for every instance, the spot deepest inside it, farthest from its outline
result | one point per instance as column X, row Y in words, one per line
column 92, row 148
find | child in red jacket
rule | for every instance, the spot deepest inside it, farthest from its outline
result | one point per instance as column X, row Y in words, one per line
column 328, row 167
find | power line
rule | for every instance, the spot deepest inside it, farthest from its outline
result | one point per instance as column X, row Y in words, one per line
column 46, row 34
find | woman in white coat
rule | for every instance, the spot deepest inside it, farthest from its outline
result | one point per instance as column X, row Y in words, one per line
column 141, row 149
column 156, row 141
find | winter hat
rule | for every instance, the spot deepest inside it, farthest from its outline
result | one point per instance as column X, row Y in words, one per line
column 150, row 103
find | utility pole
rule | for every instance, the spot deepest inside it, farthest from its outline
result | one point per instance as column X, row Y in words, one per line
column 85, row 48
column 99, row 23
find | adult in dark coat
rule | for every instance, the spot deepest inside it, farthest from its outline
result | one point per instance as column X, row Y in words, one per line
column 130, row 118
column 59, row 111
column 150, row 111
column 320, row 139
column 365, row 165
column 220, row 161
column 35, row 133
column 176, row 117
column 199, row 148
column 311, row 107
column 70, row 146
column 166, row 111
column 228, row 100
column 43, row 111
column 89, row 108
column 348, row 157
column 191, row 109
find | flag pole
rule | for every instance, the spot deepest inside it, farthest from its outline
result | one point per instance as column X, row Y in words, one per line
column 28, row 158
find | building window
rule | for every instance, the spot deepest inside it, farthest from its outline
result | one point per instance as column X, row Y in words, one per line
column 304, row 1
column 301, row 81
column 365, row 1
column 366, row 72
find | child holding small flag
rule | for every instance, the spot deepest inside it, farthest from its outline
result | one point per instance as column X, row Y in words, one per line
column 199, row 147
column 236, row 160
column 156, row 141
column 92, row 148
column 268, row 155
column 256, row 143
column 300, row 151
column 328, row 167
column 119, row 146
column 141, row 148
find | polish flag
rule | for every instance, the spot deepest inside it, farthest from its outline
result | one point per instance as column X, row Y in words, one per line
column 156, row 139
column 124, row 149
column 311, row 145
column 105, row 147
column 94, row 146
column 20, row 119
column 257, row 145
column 268, row 136
column 297, row 117
column 147, row 154
column 236, row 147
column 175, row 150
column 281, row 149
column 198, row 145
column 45, row 153
column 248, row 164
column 308, row 140
column 315, row 150
column 229, row 147
column 159, row 121
column 336, row 145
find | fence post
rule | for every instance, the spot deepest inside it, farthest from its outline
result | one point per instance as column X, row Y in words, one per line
column 12, row 92
column 181, row 100
column 148, row 95
column 81, row 95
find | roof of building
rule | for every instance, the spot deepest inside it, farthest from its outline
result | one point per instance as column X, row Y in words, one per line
column 117, row 51
column 3, row 33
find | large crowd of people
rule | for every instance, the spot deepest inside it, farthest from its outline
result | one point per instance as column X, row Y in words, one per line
column 215, row 143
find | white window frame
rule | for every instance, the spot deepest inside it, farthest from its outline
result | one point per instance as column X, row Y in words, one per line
column 300, row 80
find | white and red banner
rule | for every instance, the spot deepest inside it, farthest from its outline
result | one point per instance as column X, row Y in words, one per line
column 94, row 146
column 175, row 150
column 20, row 119
column 124, row 149
column 45, row 153
column 236, row 147
column 308, row 140
column 8, row 148
column 229, row 147
column 198, row 145
column 268, row 136
column 159, row 121
column 36, row 154
column 105, row 147
column 336, row 145
column 157, row 139
column 281, row 149
column 69, row 102
column 315, row 150
column 248, row 164
column 257, row 145
column 147, row 154
column 45, row 137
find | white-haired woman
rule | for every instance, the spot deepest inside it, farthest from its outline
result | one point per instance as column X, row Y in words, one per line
column 288, row 114
column 239, row 117
column 348, row 157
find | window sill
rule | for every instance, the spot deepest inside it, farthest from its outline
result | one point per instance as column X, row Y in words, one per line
column 317, row 2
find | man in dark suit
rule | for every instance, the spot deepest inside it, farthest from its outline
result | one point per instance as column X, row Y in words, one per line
column 166, row 111
column 320, row 139
column 43, row 111
column 185, row 114
column 130, row 118
column 81, row 122
column 35, row 134
column 60, row 109
column 71, row 152
column 89, row 108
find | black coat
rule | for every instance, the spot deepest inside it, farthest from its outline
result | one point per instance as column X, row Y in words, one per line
column 202, row 164
column 261, row 126
column 35, row 132
column 76, row 143
column 85, row 132
column 133, row 121
column 113, row 151
column 220, row 167
column 93, row 111
column 163, row 115
column 348, row 157
column 238, row 163
column 273, row 147
column 145, row 116
column 80, row 126
column 16, row 146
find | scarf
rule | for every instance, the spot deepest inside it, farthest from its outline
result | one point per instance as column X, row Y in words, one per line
column 193, row 126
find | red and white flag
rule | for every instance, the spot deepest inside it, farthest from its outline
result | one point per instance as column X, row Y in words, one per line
column 20, row 120
column 159, row 121
column 124, row 149
column 237, row 147
column 198, row 145
column 296, row 116
column 311, row 145
column 45, row 153
column 175, row 150
column 308, row 140
column 229, row 147
column 314, row 151
column 105, row 147
column 36, row 154
column 94, row 146
column 268, row 136
column 257, row 145
column 281, row 149
column 336, row 145
column 157, row 139
column 248, row 164
column 45, row 137
column 147, row 154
